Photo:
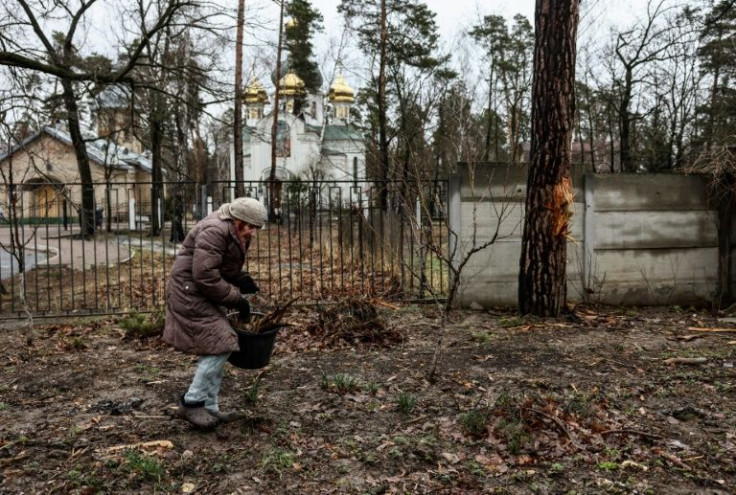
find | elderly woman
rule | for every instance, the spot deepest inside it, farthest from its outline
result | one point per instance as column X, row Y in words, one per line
column 207, row 279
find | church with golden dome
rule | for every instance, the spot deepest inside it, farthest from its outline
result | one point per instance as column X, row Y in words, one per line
column 315, row 138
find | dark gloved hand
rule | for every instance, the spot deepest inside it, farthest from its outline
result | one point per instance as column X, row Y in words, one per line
column 243, row 309
column 247, row 285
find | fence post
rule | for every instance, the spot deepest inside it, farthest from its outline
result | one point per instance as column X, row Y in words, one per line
column 131, row 214
column 588, row 229
column 454, row 217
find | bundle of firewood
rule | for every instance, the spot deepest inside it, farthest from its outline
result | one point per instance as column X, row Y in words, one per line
column 258, row 323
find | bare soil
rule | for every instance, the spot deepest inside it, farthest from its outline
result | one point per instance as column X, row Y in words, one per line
column 603, row 401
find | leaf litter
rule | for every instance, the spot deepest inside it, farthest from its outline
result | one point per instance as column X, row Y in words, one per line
column 613, row 401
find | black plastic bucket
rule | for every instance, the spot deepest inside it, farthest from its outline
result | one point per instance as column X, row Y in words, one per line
column 255, row 348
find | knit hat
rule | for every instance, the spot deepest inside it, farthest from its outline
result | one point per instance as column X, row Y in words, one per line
column 249, row 210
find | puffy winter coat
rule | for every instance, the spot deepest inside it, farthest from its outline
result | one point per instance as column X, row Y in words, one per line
column 202, row 286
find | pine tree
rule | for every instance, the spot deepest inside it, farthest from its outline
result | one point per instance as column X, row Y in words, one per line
column 718, row 59
column 305, row 21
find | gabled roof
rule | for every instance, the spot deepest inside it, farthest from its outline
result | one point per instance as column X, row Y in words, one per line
column 101, row 151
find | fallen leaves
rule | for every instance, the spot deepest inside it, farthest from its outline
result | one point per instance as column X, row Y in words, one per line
column 557, row 403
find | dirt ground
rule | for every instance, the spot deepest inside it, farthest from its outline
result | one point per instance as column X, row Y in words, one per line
column 604, row 401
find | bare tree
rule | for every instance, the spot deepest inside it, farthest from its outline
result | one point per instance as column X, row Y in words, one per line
column 27, row 42
column 635, row 50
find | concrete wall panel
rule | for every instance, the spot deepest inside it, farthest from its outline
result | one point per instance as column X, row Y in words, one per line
column 655, row 229
column 650, row 239
column 487, row 215
column 654, row 192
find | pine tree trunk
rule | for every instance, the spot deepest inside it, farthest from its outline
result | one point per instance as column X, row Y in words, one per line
column 272, row 184
column 542, row 276
column 382, row 119
column 238, row 104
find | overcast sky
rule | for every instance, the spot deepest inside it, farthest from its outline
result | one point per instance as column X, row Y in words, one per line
column 454, row 18
column 456, row 15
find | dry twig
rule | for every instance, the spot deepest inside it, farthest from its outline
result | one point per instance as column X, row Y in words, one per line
column 558, row 423
column 631, row 432
column 685, row 360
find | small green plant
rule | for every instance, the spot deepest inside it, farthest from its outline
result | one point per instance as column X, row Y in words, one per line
column 149, row 373
column 222, row 465
column 250, row 396
column 395, row 453
column 344, row 383
column 580, row 405
column 78, row 479
column 324, row 381
column 612, row 453
column 371, row 388
column 483, row 337
column 143, row 325
column 74, row 430
column 3, row 406
column 143, row 465
column 556, row 469
column 511, row 321
column 74, row 477
column 607, row 466
column 522, row 476
column 474, row 422
column 505, row 402
column 75, row 344
column 406, row 402
column 476, row 469
column 514, row 433
column 277, row 461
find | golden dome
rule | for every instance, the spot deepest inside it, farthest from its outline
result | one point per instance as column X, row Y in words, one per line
column 291, row 85
column 255, row 93
column 340, row 91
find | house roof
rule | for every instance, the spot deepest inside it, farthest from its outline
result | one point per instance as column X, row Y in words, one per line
column 101, row 151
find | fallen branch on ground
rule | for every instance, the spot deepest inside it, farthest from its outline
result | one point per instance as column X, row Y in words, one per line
column 712, row 329
column 631, row 432
column 685, row 360
column 558, row 423
column 166, row 444
column 688, row 338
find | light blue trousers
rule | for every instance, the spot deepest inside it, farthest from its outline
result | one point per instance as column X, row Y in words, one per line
column 207, row 380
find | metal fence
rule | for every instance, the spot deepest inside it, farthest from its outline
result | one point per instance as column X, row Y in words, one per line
column 326, row 241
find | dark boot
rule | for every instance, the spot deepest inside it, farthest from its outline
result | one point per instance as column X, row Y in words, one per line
column 196, row 414
column 226, row 417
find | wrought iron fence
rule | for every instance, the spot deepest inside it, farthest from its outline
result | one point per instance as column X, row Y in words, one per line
column 326, row 241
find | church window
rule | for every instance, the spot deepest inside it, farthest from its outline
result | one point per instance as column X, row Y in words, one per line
column 283, row 139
